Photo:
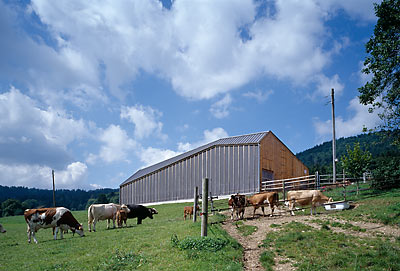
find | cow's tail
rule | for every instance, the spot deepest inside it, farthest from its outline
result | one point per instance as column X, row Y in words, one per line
column 90, row 214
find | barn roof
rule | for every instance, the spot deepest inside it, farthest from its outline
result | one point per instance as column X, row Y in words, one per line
column 234, row 140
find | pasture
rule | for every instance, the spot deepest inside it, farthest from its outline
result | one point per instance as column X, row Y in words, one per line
column 146, row 247
column 330, row 241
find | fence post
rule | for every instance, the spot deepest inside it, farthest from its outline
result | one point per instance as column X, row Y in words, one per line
column 204, row 205
column 212, row 204
column 284, row 190
column 195, row 203
column 364, row 177
column 317, row 180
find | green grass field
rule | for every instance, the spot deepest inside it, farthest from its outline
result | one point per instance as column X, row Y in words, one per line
column 323, row 249
column 144, row 247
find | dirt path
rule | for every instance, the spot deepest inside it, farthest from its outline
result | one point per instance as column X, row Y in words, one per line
column 252, row 243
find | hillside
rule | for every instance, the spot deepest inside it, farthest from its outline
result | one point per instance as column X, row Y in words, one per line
column 319, row 158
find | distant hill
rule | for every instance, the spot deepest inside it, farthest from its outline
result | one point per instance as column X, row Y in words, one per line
column 319, row 158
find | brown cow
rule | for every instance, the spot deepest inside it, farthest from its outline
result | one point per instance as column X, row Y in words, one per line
column 306, row 197
column 238, row 204
column 188, row 210
column 121, row 217
column 261, row 199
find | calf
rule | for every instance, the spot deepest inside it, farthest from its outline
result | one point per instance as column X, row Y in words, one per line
column 238, row 204
column 107, row 211
column 261, row 199
column 122, row 215
column 141, row 212
column 2, row 229
column 188, row 210
column 58, row 218
column 306, row 197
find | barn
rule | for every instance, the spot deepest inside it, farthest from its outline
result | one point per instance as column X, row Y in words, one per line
column 235, row 164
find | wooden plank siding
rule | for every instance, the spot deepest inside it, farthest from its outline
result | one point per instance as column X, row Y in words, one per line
column 278, row 159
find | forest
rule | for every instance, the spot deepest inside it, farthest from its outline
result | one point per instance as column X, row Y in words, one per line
column 14, row 200
column 383, row 152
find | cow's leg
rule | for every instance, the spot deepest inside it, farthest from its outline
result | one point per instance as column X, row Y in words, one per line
column 113, row 220
column 61, row 233
column 254, row 211
column 139, row 220
column 272, row 209
column 34, row 237
column 29, row 235
column 232, row 213
column 94, row 224
column 262, row 208
column 90, row 225
column 291, row 207
column 108, row 223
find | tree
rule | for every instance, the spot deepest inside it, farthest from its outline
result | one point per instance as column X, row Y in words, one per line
column 357, row 161
column 383, row 62
column 12, row 207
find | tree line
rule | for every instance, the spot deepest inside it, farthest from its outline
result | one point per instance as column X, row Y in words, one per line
column 14, row 200
column 372, row 152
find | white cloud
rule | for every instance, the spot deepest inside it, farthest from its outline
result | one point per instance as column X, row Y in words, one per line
column 325, row 85
column 208, row 136
column 347, row 127
column 196, row 46
column 71, row 177
column 150, row 156
column 116, row 146
column 259, row 95
column 220, row 109
column 33, row 135
column 145, row 120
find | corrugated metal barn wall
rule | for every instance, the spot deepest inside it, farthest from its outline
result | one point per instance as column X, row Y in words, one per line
column 230, row 168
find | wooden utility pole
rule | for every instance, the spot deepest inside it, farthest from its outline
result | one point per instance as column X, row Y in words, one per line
column 204, row 208
column 333, row 137
column 54, row 194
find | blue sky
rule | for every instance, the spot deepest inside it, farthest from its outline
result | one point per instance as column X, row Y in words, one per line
column 99, row 89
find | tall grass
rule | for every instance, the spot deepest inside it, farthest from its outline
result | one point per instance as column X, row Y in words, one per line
column 144, row 247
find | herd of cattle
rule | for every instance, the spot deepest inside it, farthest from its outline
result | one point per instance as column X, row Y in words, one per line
column 238, row 203
column 61, row 219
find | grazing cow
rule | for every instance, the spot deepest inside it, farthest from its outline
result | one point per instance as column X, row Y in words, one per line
column 188, row 210
column 306, row 197
column 58, row 218
column 141, row 212
column 107, row 211
column 122, row 215
column 261, row 199
column 238, row 204
column 2, row 229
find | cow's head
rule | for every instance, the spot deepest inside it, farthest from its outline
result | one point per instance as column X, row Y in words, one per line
column 78, row 230
column 125, row 208
column 152, row 211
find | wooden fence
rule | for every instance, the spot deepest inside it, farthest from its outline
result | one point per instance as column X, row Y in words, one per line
column 315, row 181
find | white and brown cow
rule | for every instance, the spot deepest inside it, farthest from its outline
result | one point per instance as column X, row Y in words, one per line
column 261, row 199
column 237, row 203
column 107, row 211
column 314, row 198
column 58, row 218
column 2, row 229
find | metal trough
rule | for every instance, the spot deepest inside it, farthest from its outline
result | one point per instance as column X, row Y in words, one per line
column 337, row 205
